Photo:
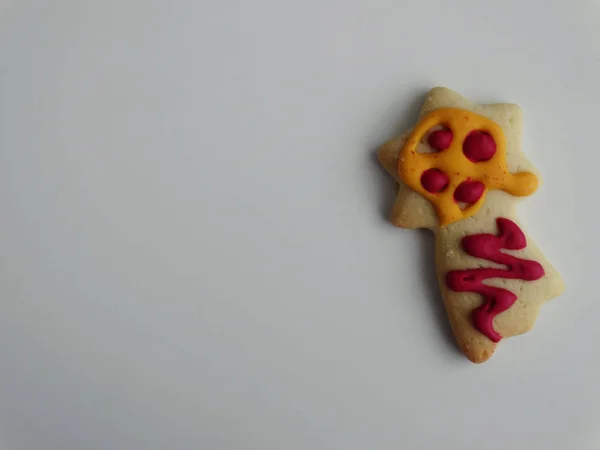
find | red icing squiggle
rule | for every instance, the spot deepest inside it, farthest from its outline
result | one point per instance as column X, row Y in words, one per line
column 488, row 246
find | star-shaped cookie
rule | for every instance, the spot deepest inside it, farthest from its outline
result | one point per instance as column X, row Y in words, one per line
column 460, row 173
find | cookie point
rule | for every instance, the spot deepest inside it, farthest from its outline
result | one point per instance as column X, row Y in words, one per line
column 478, row 357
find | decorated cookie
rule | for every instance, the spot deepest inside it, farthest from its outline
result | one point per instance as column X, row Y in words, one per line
column 461, row 172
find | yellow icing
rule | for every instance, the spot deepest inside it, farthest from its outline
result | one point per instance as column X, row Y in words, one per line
column 452, row 161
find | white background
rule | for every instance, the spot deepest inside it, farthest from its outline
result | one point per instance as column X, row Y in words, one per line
column 194, row 251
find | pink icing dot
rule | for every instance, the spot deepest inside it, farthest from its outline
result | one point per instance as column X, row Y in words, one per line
column 479, row 146
column 440, row 139
column 434, row 180
column 469, row 191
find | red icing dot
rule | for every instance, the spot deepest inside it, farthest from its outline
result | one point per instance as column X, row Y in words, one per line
column 434, row 180
column 440, row 139
column 469, row 191
column 479, row 146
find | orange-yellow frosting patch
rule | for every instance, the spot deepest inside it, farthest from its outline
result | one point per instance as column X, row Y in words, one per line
column 452, row 161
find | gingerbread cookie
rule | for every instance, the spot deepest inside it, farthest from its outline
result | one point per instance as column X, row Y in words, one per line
column 461, row 172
